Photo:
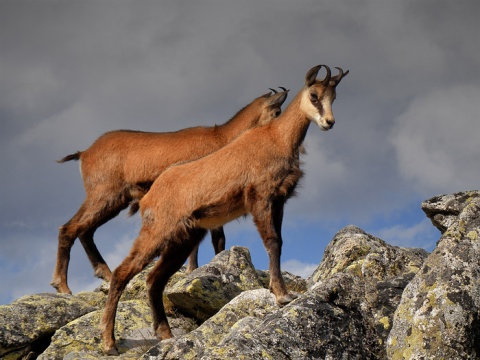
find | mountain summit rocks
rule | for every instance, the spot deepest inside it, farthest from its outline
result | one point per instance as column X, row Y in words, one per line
column 366, row 300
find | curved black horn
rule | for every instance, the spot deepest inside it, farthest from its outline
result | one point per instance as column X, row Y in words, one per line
column 340, row 70
column 326, row 81
column 274, row 91
column 341, row 74
column 311, row 75
column 281, row 87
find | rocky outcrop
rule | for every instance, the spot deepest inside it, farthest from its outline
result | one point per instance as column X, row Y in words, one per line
column 382, row 271
column 366, row 300
column 206, row 290
column 439, row 315
column 29, row 322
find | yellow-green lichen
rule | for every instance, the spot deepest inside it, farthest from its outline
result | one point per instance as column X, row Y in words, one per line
column 194, row 287
column 293, row 312
column 385, row 321
column 266, row 355
column 472, row 235
column 355, row 268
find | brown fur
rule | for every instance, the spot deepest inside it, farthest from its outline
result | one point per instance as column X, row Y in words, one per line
column 120, row 166
column 254, row 174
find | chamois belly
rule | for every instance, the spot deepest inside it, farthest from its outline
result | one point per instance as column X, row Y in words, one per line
column 215, row 220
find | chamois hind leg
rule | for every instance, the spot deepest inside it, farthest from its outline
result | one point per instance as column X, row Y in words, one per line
column 218, row 241
column 172, row 257
column 192, row 260
column 100, row 267
column 97, row 218
column 66, row 237
column 142, row 253
column 269, row 223
column 91, row 214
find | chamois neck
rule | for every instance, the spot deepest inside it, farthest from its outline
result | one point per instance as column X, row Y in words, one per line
column 241, row 121
column 292, row 125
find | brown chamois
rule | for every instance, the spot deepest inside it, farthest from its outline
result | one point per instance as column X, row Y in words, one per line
column 254, row 174
column 120, row 166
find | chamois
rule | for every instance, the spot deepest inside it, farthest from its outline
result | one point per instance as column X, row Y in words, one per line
column 254, row 174
column 120, row 166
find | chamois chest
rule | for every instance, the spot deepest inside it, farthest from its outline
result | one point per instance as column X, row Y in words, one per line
column 285, row 177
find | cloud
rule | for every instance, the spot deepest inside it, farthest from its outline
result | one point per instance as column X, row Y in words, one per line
column 299, row 268
column 436, row 140
column 419, row 235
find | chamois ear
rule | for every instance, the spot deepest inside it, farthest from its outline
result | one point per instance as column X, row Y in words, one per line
column 312, row 75
column 278, row 99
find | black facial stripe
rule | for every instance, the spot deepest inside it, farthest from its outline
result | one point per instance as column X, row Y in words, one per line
column 319, row 106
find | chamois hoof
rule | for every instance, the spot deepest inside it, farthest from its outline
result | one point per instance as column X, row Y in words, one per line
column 61, row 289
column 189, row 270
column 104, row 273
column 285, row 299
column 111, row 351
column 163, row 332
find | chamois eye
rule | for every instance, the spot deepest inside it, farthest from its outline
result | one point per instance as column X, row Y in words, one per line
column 313, row 97
column 277, row 113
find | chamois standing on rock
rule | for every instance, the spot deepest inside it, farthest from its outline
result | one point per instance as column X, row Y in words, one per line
column 120, row 166
column 256, row 173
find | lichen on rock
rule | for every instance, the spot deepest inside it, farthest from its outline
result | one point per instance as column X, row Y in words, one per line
column 35, row 317
column 439, row 314
column 208, row 288
column 366, row 300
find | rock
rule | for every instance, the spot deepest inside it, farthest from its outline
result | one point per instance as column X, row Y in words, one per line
column 383, row 269
column 28, row 323
column 293, row 282
column 207, row 289
column 324, row 323
column 366, row 300
column 81, row 338
column 96, row 299
column 354, row 251
column 443, row 210
column 346, row 313
column 439, row 314
column 253, row 304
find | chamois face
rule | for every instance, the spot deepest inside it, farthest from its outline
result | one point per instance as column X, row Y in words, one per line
column 318, row 96
column 271, row 107
column 317, row 103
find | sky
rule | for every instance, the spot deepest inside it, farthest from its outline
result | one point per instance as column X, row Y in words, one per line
column 407, row 115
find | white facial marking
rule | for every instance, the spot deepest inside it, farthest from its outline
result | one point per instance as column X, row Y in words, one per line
column 313, row 114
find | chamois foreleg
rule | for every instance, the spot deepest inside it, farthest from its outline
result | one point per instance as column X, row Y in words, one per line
column 141, row 254
column 218, row 241
column 268, row 220
column 173, row 256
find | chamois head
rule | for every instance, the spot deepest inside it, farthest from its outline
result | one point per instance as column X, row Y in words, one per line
column 270, row 105
column 319, row 95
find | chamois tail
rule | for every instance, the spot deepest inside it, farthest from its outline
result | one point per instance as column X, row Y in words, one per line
column 75, row 156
